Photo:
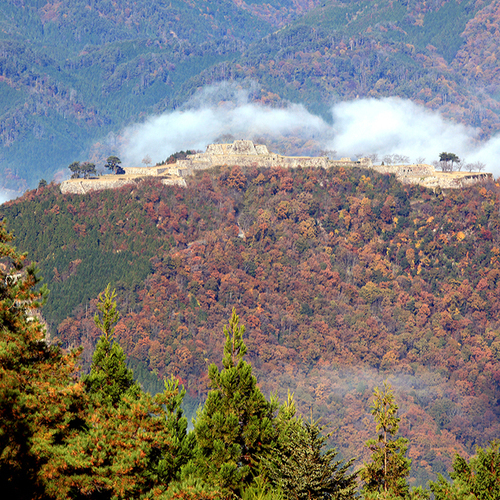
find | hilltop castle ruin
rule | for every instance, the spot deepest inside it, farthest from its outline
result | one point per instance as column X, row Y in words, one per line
column 246, row 154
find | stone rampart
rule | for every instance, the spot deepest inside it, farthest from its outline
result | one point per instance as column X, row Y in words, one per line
column 405, row 170
column 246, row 154
column 445, row 180
column 426, row 175
column 240, row 147
column 84, row 186
column 347, row 162
column 150, row 171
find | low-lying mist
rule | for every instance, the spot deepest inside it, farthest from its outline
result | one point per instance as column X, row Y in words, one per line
column 362, row 127
column 7, row 195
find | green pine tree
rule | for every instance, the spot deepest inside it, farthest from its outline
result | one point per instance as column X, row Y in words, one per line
column 479, row 479
column 59, row 441
column 109, row 376
column 235, row 427
column 298, row 465
column 385, row 476
column 133, row 444
column 41, row 406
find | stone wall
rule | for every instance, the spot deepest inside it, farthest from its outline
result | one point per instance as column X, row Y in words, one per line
column 405, row 170
column 246, row 154
column 84, row 186
column 426, row 175
column 454, row 180
column 239, row 147
column 347, row 162
column 151, row 171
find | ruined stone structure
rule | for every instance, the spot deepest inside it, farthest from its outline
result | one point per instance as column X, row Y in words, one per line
column 247, row 154
column 169, row 175
column 427, row 176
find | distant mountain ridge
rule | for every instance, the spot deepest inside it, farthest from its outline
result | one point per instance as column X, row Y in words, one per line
column 73, row 75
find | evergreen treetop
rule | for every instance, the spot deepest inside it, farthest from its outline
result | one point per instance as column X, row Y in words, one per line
column 41, row 406
column 109, row 376
column 387, row 472
column 300, row 467
column 235, row 427
column 133, row 444
column 477, row 479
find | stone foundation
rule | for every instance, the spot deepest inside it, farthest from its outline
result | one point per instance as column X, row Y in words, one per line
column 246, row 154
column 84, row 186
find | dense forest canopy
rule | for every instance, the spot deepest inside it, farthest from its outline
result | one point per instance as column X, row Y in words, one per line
column 343, row 278
column 101, row 436
column 73, row 75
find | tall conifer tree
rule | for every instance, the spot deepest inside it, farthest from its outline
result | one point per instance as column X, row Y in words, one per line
column 235, row 427
column 109, row 376
column 477, row 479
column 134, row 444
column 386, row 474
column 300, row 467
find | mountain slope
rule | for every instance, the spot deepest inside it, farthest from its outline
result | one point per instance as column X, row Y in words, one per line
column 342, row 277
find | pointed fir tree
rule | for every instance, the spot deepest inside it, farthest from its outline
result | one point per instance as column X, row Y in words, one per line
column 109, row 376
column 235, row 427
column 385, row 476
column 134, row 445
column 479, row 479
column 58, row 441
column 300, row 467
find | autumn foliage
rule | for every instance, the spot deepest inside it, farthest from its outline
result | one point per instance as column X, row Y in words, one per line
column 342, row 278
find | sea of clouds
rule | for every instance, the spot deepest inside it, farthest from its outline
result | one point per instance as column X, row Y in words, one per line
column 370, row 126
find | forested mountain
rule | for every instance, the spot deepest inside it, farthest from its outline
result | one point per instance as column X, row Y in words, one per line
column 101, row 435
column 342, row 277
column 74, row 74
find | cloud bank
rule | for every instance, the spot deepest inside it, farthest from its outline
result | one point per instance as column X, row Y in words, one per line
column 196, row 128
column 7, row 196
column 368, row 126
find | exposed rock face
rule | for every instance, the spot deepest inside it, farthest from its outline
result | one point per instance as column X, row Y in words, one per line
column 247, row 154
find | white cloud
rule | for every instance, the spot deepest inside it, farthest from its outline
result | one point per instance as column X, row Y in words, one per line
column 392, row 125
column 383, row 126
column 163, row 135
column 7, row 195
